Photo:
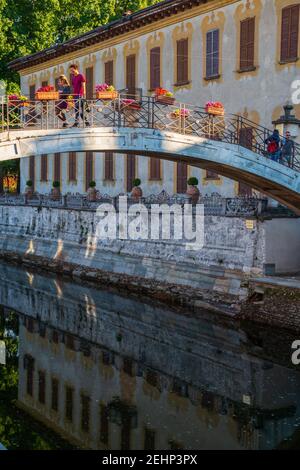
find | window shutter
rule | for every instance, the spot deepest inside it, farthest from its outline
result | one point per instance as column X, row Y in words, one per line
column 130, row 171
column 155, row 68
column 89, row 77
column 44, row 167
column 247, row 44
column 289, row 33
column 45, row 83
column 72, row 166
column 109, row 166
column 32, row 170
column 182, row 61
column 212, row 53
column 246, row 137
column 155, row 169
column 57, row 167
column 109, row 72
column 32, row 92
column 130, row 74
column 181, row 177
column 56, row 83
column 244, row 190
column 89, row 157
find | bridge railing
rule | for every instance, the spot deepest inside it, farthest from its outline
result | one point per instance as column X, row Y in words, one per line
column 214, row 204
column 140, row 112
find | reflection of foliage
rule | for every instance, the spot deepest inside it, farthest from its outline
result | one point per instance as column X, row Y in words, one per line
column 17, row 429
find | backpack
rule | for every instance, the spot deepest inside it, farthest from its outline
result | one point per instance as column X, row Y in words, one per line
column 272, row 147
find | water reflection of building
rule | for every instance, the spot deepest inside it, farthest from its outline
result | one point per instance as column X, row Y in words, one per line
column 110, row 372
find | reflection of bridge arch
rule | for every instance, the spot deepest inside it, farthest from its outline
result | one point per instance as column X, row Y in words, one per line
column 230, row 160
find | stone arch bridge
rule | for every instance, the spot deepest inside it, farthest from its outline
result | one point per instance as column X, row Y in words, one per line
column 229, row 145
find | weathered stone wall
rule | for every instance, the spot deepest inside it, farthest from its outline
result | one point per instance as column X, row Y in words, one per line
column 232, row 247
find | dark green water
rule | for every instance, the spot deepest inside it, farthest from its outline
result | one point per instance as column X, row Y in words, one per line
column 92, row 368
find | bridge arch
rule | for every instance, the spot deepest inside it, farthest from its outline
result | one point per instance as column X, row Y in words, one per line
column 230, row 160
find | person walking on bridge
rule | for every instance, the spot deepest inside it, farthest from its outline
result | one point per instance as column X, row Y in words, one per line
column 287, row 149
column 64, row 91
column 273, row 145
column 79, row 93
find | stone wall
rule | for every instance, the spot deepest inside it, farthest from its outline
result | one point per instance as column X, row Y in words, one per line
column 233, row 247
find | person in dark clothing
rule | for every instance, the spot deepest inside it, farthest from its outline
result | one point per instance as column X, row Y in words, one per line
column 287, row 149
column 64, row 91
column 273, row 145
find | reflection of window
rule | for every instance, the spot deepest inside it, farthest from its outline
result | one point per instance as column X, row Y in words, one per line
column 85, row 413
column 151, row 377
column 42, row 387
column 55, row 337
column 29, row 367
column 109, row 166
column 69, row 341
column 174, row 445
column 54, row 394
column 155, row 169
column 128, row 366
column 69, row 403
column 149, row 439
column 104, row 424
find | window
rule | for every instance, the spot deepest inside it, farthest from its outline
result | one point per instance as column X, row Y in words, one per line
column 72, row 166
column 32, row 92
column 54, row 394
column 85, row 413
column 244, row 190
column 155, row 68
column 89, row 167
column 89, row 77
column 109, row 72
column 155, row 169
column 212, row 175
column 45, row 83
column 247, row 44
column 109, row 166
column 246, row 137
column 181, row 177
column 56, row 83
column 131, row 74
column 212, row 53
column 130, row 164
column 56, row 167
column 69, row 403
column 182, row 62
column 289, row 33
column 42, row 387
column 104, row 424
column 44, row 167
column 149, row 439
column 31, row 171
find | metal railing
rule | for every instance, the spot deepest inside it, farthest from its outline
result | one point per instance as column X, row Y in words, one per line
column 139, row 112
column 214, row 204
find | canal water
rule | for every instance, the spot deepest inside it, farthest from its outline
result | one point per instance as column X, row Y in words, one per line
column 98, row 369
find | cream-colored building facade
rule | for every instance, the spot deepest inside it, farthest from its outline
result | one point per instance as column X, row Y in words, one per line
column 253, row 65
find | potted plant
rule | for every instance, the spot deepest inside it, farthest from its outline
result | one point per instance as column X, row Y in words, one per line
column 18, row 100
column 216, row 108
column 180, row 113
column 192, row 189
column 164, row 96
column 136, row 192
column 46, row 93
column 106, row 92
column 92, row 192
column 55, row 193
column 128, row 103
column 29, row 189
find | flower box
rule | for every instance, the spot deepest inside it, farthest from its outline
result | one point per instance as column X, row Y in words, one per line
column 47, row 95
column 215, row 111
column 107, row 95
column 169, row 100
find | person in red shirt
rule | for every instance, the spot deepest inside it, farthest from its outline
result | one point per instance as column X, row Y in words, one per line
column 79, row 93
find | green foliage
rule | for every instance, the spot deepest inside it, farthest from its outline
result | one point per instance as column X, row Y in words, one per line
column 136, row 182
column 28, row 26
column 193, row 181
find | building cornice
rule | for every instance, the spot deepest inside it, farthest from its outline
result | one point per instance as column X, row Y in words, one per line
column 163, row 14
